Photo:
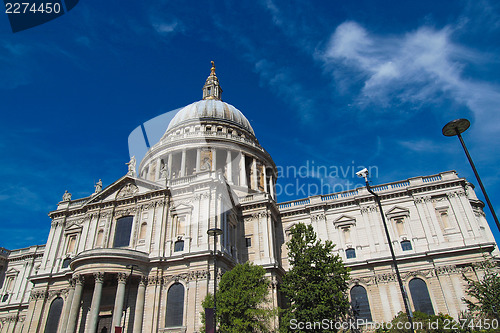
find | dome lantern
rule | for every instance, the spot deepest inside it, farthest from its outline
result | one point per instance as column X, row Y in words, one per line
column 212, row 89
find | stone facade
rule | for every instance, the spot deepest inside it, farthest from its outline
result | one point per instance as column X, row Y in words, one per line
column 136, row 254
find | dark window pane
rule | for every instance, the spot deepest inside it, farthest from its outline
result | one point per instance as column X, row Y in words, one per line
column 248, row 242
column 66, row 262
column 54, row 315
column 350, row 253
column 406, row 245
column 122, row 231
column 359, row 303
column 175, row 305
column 5, row 298
column 179, row 246
column 420, row 296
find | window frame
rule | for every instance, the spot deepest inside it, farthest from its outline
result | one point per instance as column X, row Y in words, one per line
column 403, row 243
column 178, row 248
column 368, row 318
column 175, row 306
column 118, row 236
column 418, row 298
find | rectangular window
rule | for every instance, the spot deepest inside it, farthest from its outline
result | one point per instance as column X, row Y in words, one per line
column 122, row 231
column 179, row 246
column 248, row 242
column 350, row 253
column 406, row 245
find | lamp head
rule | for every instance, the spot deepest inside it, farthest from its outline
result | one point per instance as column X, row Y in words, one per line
column 456, row 127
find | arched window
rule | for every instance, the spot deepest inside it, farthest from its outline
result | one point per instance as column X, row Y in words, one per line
column 175, row 305
column 54, row 315
column 406, row 245
column 122, row 231
column 142, row 232
column 359, row 303
column 350, row 253
column 420, row 296
column 179, row 246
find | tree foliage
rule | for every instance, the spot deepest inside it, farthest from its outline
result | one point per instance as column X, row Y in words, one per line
column 422, row 322
column 485, row 301
column 316, row 284
column 241, row 297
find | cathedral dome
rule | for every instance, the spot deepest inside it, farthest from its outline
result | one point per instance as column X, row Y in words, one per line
column 210, row 109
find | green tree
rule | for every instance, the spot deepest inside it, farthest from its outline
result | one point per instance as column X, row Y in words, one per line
column 208, row 302
column 241, row 300
column 316, row 284
column 422, row 322
column 485, row 293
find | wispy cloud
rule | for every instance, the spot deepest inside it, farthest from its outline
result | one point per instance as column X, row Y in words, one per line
column 420, row 68
column 166, row 27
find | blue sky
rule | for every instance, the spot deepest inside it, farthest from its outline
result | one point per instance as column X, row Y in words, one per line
column 333, row 83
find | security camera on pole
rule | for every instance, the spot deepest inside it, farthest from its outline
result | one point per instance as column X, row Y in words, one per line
column 364, row 174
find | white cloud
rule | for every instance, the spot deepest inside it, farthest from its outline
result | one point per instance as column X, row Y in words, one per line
column 418, row 68
column 164, row 28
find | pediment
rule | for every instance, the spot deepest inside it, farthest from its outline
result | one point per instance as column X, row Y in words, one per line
column 287, row 229
column 12, row 271
column 344, row 220
column 125, row 187
column 181, row 207
column 398, row 211
column 74, row 226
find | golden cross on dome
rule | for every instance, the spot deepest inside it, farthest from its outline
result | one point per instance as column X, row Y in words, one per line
column 212, row 70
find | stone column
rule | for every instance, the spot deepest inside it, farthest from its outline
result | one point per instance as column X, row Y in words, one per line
column 169, row 165
column 432, row 214
column 139, row 305
column 96, row 303
column 243, row 171
column 183, row 163
column 75, row 304
column 198, row 159
column 158, row 169
column 264, row 174
column 254, row 186
column 120, row 298
column 271, row 186
column 67, row 305
column 214, row 159
column 229, row 168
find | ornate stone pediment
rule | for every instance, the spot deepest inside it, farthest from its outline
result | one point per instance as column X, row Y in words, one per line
column 128, row 190
column 397, row 211
column 344, row 221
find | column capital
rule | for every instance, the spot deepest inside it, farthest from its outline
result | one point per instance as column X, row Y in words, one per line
column 143, row 281
column 78, row 279
column 99, row 277
column 122, row 277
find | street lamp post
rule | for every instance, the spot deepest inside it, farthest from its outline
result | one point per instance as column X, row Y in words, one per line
column 364, row 173
column 215, row 232
column 457, row 127
column 128, row 292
